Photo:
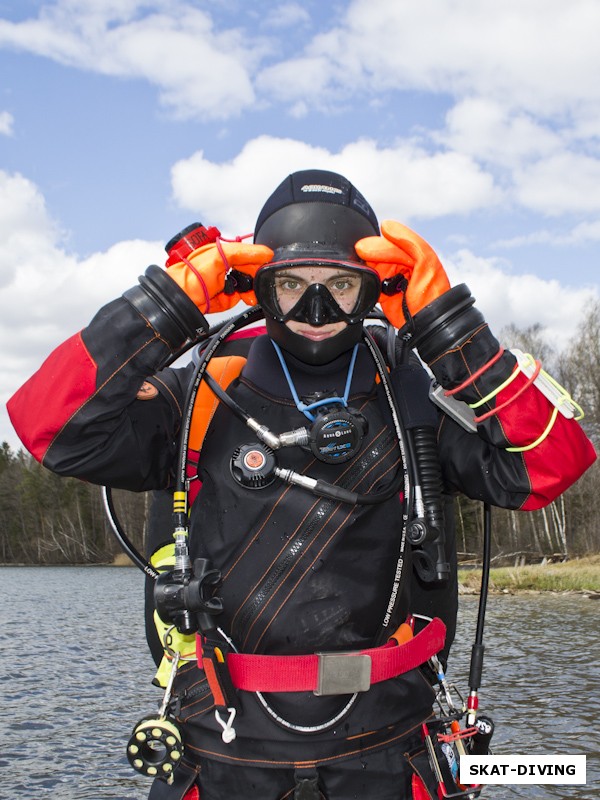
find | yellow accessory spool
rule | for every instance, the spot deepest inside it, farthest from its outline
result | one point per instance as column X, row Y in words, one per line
column 155, row 748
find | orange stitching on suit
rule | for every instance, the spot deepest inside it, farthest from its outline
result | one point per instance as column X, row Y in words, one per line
column 98, row 390
column 314, row 538
column 168, row 389
column 320, row 552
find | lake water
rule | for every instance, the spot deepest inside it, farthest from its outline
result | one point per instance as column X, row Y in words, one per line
column 75, row 676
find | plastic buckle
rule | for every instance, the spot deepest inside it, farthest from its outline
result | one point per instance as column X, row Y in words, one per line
column 343, row 673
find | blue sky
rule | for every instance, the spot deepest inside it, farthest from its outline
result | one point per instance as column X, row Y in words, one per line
column 475, row 122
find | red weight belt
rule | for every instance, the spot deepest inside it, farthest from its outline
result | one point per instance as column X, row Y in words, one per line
column 259, row 673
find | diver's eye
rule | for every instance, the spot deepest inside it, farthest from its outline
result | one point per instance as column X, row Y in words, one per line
column 288, row 284
column 342, row 285
column 345, row 290
column 288, row 291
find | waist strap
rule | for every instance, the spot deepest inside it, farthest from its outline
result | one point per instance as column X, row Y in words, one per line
column 335, row 673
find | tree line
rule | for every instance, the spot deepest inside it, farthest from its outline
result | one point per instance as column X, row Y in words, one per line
column 569, row 526
column 46, row 519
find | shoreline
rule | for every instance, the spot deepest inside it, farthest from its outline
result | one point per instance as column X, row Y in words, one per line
column 469, row 591
column 577, row 576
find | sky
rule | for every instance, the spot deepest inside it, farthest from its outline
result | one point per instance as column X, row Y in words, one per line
column 476, row 123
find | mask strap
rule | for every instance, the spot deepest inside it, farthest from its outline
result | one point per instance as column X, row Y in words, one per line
column 303, row 407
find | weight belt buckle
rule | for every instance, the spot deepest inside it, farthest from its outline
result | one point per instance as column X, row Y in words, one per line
column 343, row 673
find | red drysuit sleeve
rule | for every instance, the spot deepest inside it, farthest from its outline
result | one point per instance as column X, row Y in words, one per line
column 82, row 413
column 63, row 384
column 559, row 459
column 484, row 465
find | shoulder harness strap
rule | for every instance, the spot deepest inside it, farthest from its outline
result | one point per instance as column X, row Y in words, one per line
column 224, row 370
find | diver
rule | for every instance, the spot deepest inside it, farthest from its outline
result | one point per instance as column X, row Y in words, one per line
column 313, row 573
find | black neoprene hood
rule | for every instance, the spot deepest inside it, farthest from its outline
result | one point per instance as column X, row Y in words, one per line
column 316, row 217
column 316, row 206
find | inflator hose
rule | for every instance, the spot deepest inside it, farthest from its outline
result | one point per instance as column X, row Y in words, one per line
column 427, row 530
column 432, row 552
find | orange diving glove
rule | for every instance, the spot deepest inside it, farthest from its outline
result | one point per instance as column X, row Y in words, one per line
column 412, row 275
column 202, row 274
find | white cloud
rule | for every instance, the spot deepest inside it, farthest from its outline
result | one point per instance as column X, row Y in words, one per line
column 46, row 293
column 7, row 122
column 521, row 72
column 25, row 226
column 199, row 71
column 539, row 55
column 408, row 182
column 521, row 299
column 285, row 15
column 487, row 131
column 300, row 78
column 541, row 168
column 584, row 233
column 563, row 182
column 404, row 182
column 238, row 187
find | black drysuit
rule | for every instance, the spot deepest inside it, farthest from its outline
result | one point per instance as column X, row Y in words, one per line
column 300, row 574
